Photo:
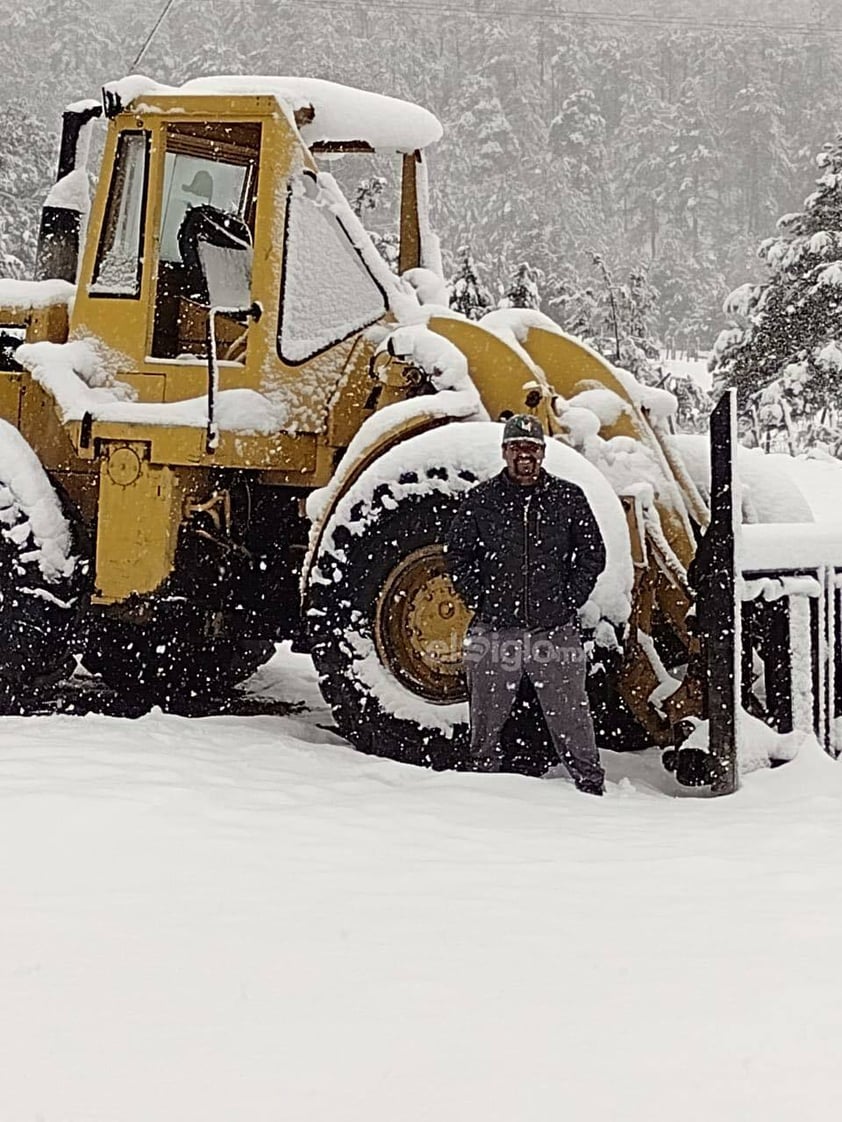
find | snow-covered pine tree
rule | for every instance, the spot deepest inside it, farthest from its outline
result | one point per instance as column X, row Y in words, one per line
column 616, row 320
column 575, row 306
column 522, row 290
column 468, row 294
column 368, row 193
column 577, row 134
column 637, row 306
column 367, row 196
column 785, row 335
column 26, row 171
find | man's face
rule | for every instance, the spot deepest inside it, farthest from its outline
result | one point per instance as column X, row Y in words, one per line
column 523, row 460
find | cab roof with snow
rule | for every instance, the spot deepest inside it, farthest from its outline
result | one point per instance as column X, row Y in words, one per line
column 325, row 113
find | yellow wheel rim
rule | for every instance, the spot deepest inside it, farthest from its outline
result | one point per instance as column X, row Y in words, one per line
column 420, row 626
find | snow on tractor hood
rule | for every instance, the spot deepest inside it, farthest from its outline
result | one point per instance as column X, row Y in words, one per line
column 338, row 114
column 27, row 295
column 81, row 378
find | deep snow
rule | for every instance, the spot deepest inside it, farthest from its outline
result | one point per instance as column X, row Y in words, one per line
column 239, row 917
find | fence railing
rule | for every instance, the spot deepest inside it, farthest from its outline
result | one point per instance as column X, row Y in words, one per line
column 792, row 627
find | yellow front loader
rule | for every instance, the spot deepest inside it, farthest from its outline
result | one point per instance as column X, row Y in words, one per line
column 228, row 421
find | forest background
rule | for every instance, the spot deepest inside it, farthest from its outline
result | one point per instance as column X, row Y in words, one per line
column 651, row 144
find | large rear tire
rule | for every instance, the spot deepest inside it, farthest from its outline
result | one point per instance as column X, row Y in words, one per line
column 386, row 627
column 44, row 577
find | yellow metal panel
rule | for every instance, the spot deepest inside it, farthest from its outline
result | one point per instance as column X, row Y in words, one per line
column 498, row 372
column 10, row 397
column 119, row 322
column 185, row 447
column 47, row 325
column 40, row 425
column 137, row 528
column 346, row 409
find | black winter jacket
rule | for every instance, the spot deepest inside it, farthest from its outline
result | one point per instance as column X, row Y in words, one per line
column 524, row 556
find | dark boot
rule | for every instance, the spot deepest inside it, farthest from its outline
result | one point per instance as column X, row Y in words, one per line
column 590, row 786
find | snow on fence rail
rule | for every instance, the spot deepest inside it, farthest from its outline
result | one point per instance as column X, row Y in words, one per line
column 792, row 619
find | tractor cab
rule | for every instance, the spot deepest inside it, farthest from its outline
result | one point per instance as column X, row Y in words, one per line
column 216, row 237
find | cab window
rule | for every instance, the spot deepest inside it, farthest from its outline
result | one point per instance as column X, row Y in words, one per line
column 119, row 260
column 206, row 236
column 327, row 291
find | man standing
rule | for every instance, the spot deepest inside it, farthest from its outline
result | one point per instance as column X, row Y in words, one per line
column 524, row 552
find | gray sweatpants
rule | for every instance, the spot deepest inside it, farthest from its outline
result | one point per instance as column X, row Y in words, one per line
column 554, row 662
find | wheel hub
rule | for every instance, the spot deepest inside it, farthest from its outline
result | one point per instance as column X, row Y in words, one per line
column 420, row 627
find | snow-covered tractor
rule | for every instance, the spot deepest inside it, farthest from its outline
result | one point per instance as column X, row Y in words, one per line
column 227, row 421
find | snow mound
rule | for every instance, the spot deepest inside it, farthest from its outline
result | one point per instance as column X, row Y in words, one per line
column 205, row 918
column 635, row 466
column 818, row 477
column 518, row 322
column 25, row 295
column 608, row 407
column 27, row 500
column 769, row 493
column 71, row 192
column 758, row 745
column 429, row 287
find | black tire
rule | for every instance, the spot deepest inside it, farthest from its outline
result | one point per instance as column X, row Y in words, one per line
column 347, row 579
column 40, row 615
column 358, row 555
column 168, row 662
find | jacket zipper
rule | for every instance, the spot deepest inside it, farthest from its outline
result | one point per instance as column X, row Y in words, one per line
column 526, row 560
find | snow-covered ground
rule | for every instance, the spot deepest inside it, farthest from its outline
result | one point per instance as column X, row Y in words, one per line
column 695, row 368
column 239, row 917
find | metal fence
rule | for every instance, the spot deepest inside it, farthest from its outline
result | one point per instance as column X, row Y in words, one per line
column 792, row 627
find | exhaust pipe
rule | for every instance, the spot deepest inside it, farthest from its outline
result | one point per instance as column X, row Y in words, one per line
column 66, row 206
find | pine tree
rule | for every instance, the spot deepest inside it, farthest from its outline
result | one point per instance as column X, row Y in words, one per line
column 369, row 193
column 616, row 320
column 522, row 291
column 468, row 294
column 577, row 134
column 26, row 172
column 637, row 301
column 785, row 338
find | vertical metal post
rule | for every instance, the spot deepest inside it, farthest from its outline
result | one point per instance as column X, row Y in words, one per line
column 830, row 672
column 409, row 253
column 717, row 610
column 57, row 253
column 212, row 431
